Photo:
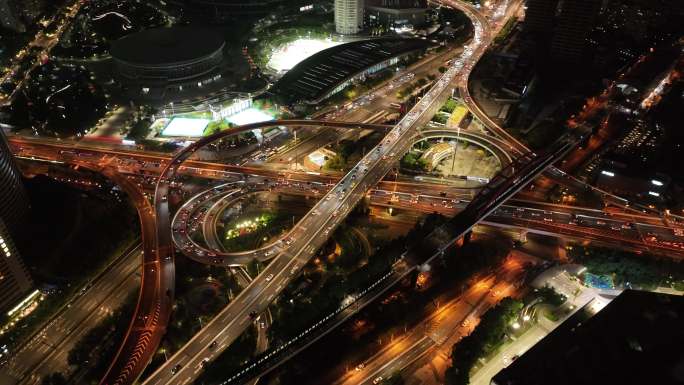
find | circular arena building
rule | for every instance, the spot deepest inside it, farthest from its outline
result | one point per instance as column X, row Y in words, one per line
column 157, row 59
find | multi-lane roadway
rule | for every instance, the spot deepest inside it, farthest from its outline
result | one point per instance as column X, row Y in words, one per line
column 71, row 155
column 305, row 238
column 198, row 216
column 309, row 234
column 450, row 322
column 47, row 352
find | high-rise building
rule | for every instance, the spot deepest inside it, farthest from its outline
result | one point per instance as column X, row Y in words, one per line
column 574, row 23
column 14, row 203
column 14, row 210
column 348, row 16
column 634, row 339
column 15, row 281
column 539, row 17
column 390, row 12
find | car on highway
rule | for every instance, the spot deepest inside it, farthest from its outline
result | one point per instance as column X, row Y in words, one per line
column 176, row 368
column 213, row 344
column 269, row 278
column 377, row 380
column 360, row 367
column 204, row 362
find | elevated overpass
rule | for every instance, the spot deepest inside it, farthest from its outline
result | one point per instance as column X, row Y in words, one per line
column 308, row 235
column 152, row 311
column 502, row 187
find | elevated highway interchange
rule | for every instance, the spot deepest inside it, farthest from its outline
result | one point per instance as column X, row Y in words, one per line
column 306, row 236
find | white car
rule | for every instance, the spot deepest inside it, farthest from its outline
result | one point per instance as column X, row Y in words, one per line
column 269, row 278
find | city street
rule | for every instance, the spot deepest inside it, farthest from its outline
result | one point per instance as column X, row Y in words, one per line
column 448, row 324
column 47, row 352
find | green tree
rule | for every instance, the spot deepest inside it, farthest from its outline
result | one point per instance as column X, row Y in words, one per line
column 551, row 296
column 140, row 129
column 486, row 337
column 440, row 118
column 335, row 163
column 413, row 161
column 450, row 105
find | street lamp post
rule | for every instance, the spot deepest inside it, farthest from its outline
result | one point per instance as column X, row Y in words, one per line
column 458, row 139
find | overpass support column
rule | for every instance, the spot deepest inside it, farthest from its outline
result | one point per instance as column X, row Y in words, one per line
column 259, row 134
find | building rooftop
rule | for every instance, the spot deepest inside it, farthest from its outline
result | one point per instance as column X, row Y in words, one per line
column 160, row 46
column 635, row 339
column 314, row 77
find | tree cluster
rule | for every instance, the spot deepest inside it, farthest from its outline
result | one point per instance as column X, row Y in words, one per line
column 413, row 161
column 483, row 340
column 551, row 296
column 625, row 268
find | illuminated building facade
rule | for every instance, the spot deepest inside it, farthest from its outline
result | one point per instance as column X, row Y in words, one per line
column 15, row 281
column 348, row 16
